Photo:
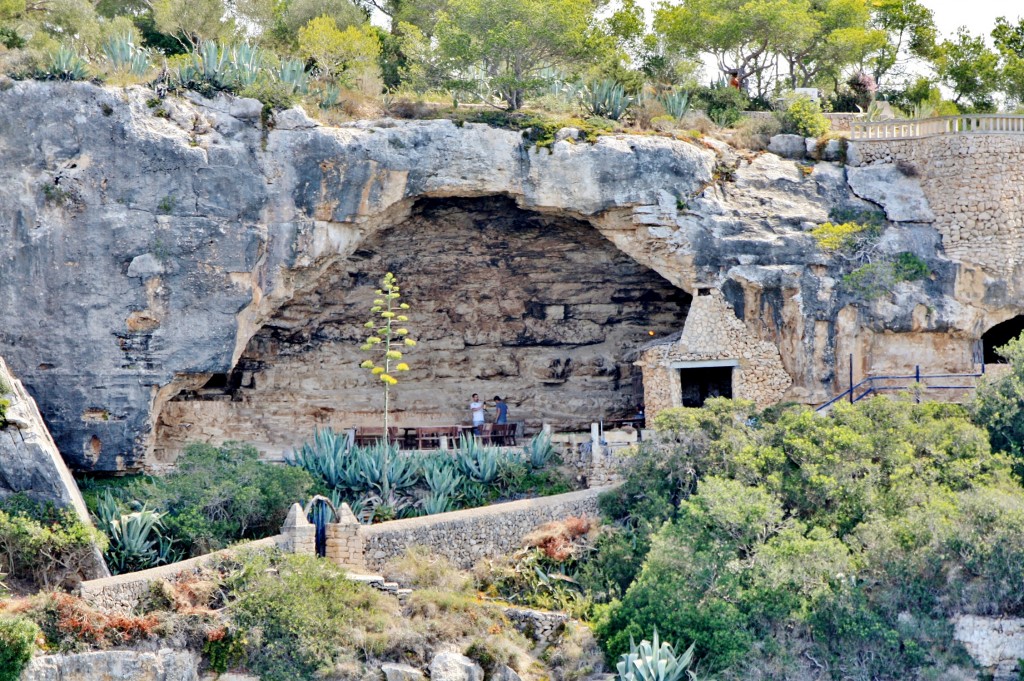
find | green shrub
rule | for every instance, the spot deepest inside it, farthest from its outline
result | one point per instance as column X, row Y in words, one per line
column 909, row 267
column 216, row 496
column 998, row 408
column 723, row 104
column 859, row 534
column 803, row 117
column 44, row 545
column 303, row 617
column 604, row 99
column 17, row 641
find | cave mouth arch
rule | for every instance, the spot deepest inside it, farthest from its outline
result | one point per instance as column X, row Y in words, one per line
column 540, row 309
column 998, row 336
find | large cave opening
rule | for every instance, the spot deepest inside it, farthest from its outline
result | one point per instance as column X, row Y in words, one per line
column 539, row 309
column 998, row 336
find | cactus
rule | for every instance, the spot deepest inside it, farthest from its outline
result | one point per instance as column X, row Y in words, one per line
column 436, row 503
column 441, row 475
column 293, row 72
column 126, row 57
column 478, row 463
column 654, row 662
column 605, row 98
column 539, row 450
column 676, row 103
column 65, row 64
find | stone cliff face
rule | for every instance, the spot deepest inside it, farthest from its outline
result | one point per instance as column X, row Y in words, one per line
column 180, row 271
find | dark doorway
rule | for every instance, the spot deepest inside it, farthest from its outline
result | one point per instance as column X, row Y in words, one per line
column 700, row 383
column 998, row 336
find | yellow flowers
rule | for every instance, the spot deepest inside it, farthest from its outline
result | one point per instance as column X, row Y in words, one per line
column 378, row 301
column 368, row 364
column 404, row 306
column 373, row 340
column 410, row 342
column 402, row 366
column 400, row 318
column 390, row 380
column 387, row 315
column 377, row 371
column 368, row 325
column 393, row 354
column 401, row 332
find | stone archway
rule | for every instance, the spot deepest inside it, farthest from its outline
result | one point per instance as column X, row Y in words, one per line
column 540, row 309
column 998, row 336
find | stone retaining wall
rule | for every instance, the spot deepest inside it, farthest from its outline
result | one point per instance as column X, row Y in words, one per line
column 467, row 536
column 123, row 593
column 974, row 185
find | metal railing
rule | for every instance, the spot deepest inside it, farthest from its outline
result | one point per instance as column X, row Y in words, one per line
column 874, row 385
column 931, row 127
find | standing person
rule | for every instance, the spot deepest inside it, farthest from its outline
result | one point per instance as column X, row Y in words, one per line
column 502, row 416
column 476, row 409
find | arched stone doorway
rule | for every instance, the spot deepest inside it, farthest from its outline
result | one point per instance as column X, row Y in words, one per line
column 539, row 309
column 998, row 336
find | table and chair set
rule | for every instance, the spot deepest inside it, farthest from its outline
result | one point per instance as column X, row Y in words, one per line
column 435, row 437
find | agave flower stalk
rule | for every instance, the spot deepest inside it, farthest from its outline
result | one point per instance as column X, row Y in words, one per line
column 387, row 335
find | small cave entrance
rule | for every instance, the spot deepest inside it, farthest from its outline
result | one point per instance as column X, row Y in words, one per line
column 702, row 381
column 539, row 309
column 998, row 336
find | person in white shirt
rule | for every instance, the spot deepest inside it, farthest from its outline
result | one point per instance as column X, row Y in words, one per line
column 476, row 408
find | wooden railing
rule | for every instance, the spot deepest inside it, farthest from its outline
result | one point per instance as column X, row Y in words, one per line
column 930, row 127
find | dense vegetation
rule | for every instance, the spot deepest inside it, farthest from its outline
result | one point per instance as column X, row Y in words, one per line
column 216, row 496
column 561, row 56
column 381, row 483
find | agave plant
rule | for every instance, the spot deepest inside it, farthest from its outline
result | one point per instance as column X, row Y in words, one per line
column 539, row 450
column 441, row 475
column 478, row 463
column 676, row 103
column 403, row 470
column 293, row 72
column 329, row 458
column 436, row 503
column 126, row 57
column 65, row 64
column 605, row 98
column 136, row 539
column 246, row 64
column 654, row 662
column 328, row 97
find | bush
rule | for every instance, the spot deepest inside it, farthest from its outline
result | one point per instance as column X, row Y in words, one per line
column 17, row 641
column 723, row 104
column 997, row 406
column 43, row 545
column 216, row 496
column 303, row 616
column 852, row 538
column 804, row 117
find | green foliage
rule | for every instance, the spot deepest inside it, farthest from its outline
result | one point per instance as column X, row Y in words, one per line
column 676, row 103
column 42, row 544
column 968, row 67
column 872, row 280
column 215, row 497
column 477, row 462
column 804, row 117
column 17, row 642
column 65, row 64
column 824, row 527
column 724, row 105
column 497, row 49
column 997, row 405
column 137, row 540
column 654, row 662
column 125, row 56
column 604, row 98
column 303, row 615
column 539, row 450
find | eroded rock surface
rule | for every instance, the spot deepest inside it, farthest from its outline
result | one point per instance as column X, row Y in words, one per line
column 123, row 665
column 154, row 253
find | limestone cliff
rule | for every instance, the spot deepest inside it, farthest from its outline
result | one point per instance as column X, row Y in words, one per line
column 174, row 269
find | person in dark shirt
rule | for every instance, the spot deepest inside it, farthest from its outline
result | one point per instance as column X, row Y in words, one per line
column 502, row 409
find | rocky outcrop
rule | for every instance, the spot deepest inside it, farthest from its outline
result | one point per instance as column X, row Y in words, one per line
column 123, row 665
column 157, row 252
column 447, row 666
column 29, row 460
column 996, row 644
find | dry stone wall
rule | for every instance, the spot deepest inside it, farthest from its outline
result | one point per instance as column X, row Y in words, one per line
column 974, row 185
column 713, row 332
column 464, row 537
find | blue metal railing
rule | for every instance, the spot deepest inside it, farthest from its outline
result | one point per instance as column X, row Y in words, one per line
column 869, row 386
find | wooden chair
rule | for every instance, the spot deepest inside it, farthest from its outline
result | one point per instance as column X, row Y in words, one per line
column 368, row 436
column 503, row 434
column 429, row 437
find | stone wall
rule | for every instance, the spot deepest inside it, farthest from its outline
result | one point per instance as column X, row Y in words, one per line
column 974, row 185
column 995, row 643
column 713, row 332
column 165, row 664
column 123, row 593
column 464, row 537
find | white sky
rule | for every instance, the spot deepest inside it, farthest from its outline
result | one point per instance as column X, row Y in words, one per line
column 979, row 16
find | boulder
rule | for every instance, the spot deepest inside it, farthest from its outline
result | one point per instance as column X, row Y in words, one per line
column 788, row 146
column 401, row 672
column 123, row 665
column 503, row 673
column 995, row 644
column 450, row 666
column 891, row 187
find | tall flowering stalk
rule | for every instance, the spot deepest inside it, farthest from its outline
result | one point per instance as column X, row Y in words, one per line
column 387, row 335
